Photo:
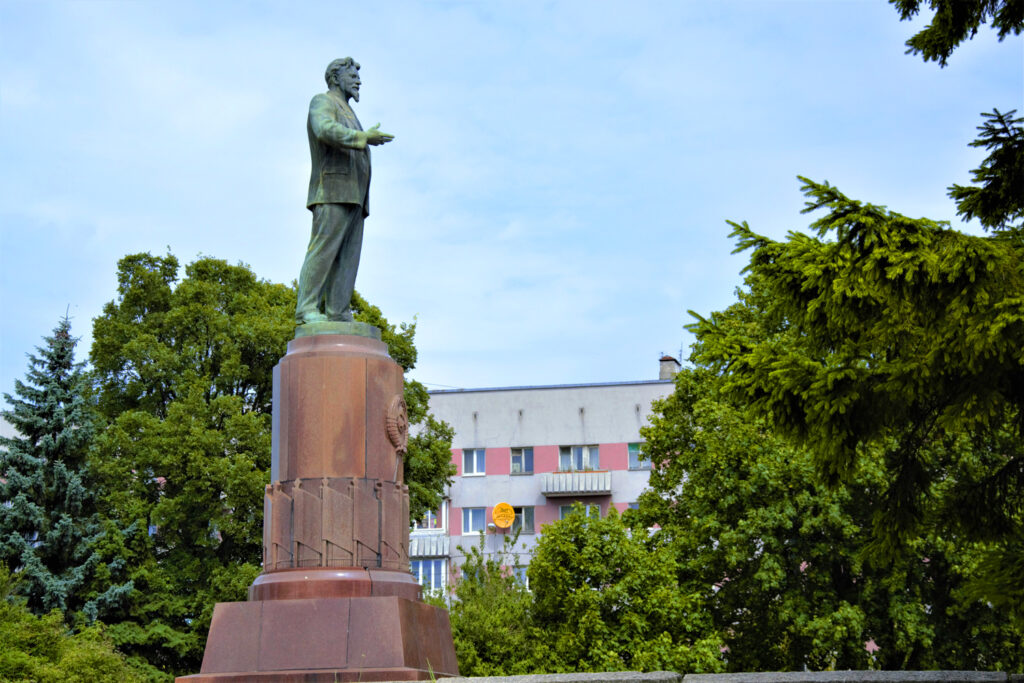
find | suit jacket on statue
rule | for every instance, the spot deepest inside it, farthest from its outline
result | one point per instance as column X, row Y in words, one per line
column 340, row 172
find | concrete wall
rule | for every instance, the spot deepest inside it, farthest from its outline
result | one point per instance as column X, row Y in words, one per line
column 533, row 416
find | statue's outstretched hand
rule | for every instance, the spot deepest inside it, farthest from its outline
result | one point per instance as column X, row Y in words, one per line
column 375, row 137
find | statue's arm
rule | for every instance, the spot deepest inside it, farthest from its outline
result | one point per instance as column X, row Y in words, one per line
column 330, row 132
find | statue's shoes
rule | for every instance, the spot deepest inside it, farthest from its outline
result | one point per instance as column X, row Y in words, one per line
column 307, row 318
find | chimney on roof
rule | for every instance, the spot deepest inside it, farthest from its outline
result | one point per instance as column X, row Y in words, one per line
column 669, row 366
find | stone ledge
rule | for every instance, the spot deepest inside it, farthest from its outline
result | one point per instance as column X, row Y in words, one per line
column 759, row 677
column 608, row 677
column 853, row 677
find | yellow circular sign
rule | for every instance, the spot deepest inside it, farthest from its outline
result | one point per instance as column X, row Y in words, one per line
column 503, row 515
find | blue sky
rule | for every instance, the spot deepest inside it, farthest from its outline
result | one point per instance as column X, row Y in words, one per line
column 556, row 196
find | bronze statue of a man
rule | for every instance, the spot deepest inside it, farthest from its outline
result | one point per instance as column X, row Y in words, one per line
column 339, row 196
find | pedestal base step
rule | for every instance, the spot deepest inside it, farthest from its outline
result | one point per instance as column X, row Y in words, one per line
column 327, row 639
column 311, row 676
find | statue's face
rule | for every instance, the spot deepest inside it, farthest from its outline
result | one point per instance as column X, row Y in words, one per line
column 348, row 80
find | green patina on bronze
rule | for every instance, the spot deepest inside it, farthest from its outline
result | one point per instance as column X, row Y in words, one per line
column 338, row 327
column 339, row 197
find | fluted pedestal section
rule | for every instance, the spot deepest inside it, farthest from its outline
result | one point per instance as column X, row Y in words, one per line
column 336, row 601
column 336, row 522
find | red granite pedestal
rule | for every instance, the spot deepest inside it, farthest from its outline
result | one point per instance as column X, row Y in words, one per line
column 336, row 601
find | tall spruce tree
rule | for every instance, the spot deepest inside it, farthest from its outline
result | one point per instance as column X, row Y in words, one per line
column 47, row 512
column 904, row 335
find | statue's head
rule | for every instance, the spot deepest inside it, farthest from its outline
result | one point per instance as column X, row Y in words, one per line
column 344, row 75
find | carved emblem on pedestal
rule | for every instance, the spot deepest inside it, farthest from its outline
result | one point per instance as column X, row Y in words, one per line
column 397, row 420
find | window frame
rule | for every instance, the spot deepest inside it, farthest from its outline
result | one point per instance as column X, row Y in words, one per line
column 519, row 573
column 526, row 454
column 589, row 458
column 642, row 463
column 440, row 515
column 589, row 509
column 479, row 456
column 520, row 510
column 465, row 519
column 438, row 574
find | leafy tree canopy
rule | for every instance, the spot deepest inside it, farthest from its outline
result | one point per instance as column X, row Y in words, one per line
column 600, row 598
column 39, row 649
column 958, row 20
column 606, row 601
column 491, row 617
column 220, row 329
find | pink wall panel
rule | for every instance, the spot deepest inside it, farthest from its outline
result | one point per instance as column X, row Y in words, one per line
column 454, row 521
column 457, row 461
column 614, row 456
column 544, row 514
column 499, row 460
column 621, row 507
column 545, row 458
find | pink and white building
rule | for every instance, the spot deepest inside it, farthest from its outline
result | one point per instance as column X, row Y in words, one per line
column 540, row 449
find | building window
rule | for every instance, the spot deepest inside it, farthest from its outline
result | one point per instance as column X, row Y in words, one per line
column 633, row 506
column 430, row 574
column 473, row 461
column 591, row 510
column 523, row 522
column 435, row 520
column 472, row 520
column 636, row 460
column 572, row 458
column 521, row 577
column 522, row 461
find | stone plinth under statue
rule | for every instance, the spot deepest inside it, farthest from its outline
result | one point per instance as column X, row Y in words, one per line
column 336, row 601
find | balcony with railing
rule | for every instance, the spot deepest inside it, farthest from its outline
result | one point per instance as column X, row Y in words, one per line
column 576, row 483
column 428, row 545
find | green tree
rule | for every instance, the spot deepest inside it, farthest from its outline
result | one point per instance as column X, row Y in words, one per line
column 39, row 649
column 997, row 197
column 491, row 617
column 607, row 600
column 774, row 551
column 955, row 21
column 896, row 335
column 47, row 506
column 220, row 329
column 184, row 379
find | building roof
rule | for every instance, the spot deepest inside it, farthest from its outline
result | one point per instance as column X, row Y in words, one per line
column 552, row 386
